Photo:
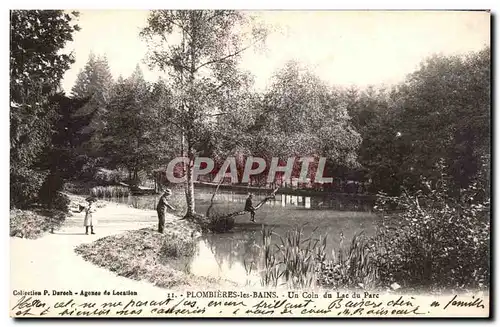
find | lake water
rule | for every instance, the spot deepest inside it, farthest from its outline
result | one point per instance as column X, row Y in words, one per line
column 230, row 255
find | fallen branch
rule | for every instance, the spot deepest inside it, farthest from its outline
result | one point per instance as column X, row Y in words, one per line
column 242, row 212
column 215, row 223
column 213, row 197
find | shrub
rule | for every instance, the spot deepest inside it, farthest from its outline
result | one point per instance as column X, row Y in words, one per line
column 61, row 202
column 32, row 224
column 220, row 224
column 24, row 187
column 353, row 267
column 146, row 254
column 438, row 241
column 79, row 188
column 50, row 196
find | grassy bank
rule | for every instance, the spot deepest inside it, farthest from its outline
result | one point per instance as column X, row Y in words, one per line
column 37, row 219
column 34, row 223
column 145, row 254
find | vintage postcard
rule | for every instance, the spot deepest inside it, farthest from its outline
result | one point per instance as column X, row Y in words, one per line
column 249, row 164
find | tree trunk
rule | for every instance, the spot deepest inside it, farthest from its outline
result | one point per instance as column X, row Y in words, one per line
column 189, row 137
column 136, row 176
column 189, row 184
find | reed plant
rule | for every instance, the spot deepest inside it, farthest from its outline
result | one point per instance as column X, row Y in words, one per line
column 351, row 267
column 292, row 260
column 109, row 191
column 271, row 273
column 249, row 266
column 300, row 262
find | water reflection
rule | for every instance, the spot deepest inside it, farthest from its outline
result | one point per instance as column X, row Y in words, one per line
column 233, row 199
column 209, row 261
column 235, row 255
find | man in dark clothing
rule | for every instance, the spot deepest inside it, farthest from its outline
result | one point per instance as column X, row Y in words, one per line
column 250, row 208
column 161, row 207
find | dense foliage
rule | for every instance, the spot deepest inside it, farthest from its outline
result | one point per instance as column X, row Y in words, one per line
column 442, row 110
column 135, row 136
column 428, row 241
column 437, row 241
column 37, row 66
column 200, row 50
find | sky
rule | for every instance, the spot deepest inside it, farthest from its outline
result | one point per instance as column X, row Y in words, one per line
column 343, row 48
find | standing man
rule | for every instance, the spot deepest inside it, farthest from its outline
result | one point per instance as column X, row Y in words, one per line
column 249, row 207
column 160, row 208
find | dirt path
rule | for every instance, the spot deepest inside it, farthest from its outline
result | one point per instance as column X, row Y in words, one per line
column 50, row 262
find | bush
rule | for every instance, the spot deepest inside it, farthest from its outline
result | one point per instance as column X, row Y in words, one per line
column 146, row 254
column 438, row 241
column 32, row 224
column 49, row 194
column 219, row 224
column 61, row 202
column 24, row 187
column 78, row 187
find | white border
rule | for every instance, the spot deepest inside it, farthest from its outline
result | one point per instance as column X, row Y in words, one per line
column 192, row 4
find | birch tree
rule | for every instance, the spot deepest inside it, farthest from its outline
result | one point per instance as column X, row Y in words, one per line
column 200, row 50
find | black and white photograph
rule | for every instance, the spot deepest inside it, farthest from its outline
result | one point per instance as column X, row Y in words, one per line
column 250, row 164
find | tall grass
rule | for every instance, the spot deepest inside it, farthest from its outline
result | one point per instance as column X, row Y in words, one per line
column 271, row 273
column 249, row 266
column 300, row 262
column 109, row 191
column 354, row 266
column 176, row 246
column 293, row 261
column 300, row 257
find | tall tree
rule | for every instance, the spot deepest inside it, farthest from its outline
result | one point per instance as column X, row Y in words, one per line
column 447, row 114
column 37, row 66
column 61, row 159
column 300, row 115
column 131, row 138
column 94, row 80
column 200, row 49
column 311, row 116
column 441, row 112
